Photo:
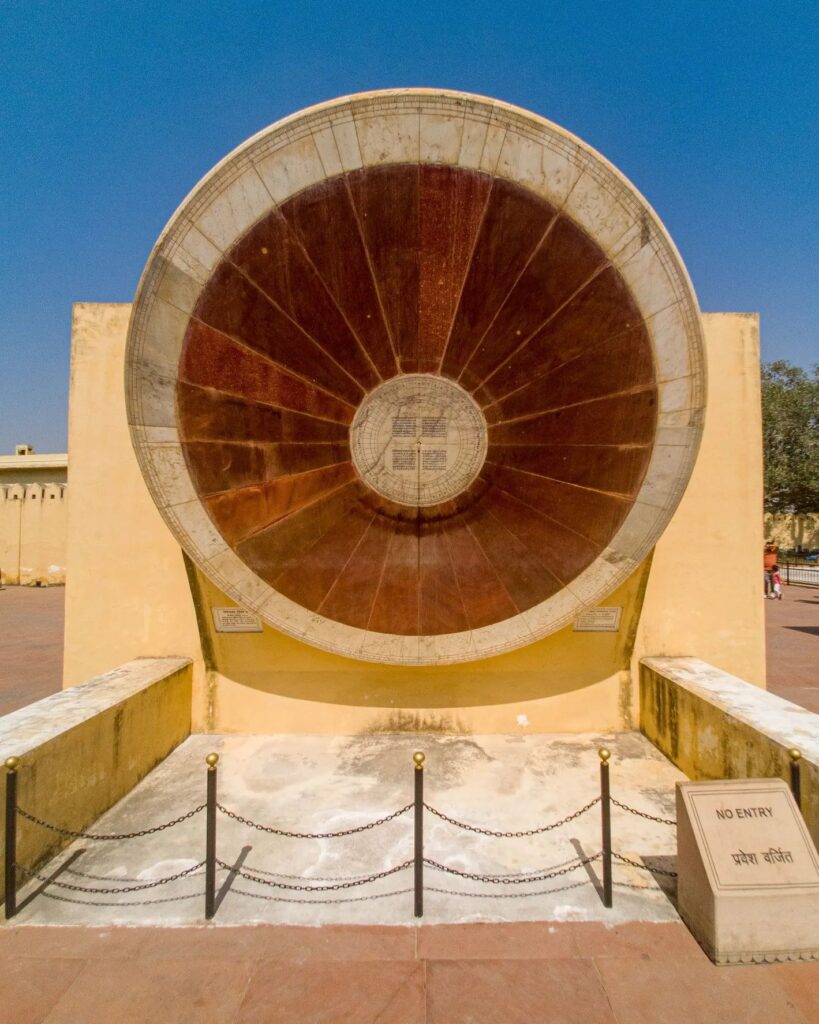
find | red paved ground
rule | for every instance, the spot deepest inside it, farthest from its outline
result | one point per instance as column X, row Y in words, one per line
column 31, row 644
column 793, row 646
column 463, row 974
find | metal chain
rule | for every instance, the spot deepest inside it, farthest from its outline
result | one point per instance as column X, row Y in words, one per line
column 512, row 835
column 128, row 888
column 312, row 835
column 324, row 902
column 314, row 888
column 303, row 878
column 508, row 895
column 110, row 836
column 510, row 879
column 643, row 867
column 118, row 904
column 643, row 814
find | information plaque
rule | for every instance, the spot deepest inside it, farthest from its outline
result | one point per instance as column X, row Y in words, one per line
column 236, row 620
column 598, row 620
column 748, row 871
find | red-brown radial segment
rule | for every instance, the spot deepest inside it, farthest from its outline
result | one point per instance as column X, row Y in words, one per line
column 396, row 372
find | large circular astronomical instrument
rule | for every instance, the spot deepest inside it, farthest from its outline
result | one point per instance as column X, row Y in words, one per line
column 416, row 376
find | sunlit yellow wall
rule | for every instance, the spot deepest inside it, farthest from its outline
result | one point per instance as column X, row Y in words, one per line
column 32, row 533
column 127, row 596
column 704, row 595
column 133, row 594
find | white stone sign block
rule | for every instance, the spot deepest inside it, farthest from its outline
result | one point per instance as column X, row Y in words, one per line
column 748, row 872
column 236, row 620
column 598, row 620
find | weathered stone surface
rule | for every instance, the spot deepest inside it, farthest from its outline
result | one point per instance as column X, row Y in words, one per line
column 716, row 726
column 748, row 872
column 81, row 750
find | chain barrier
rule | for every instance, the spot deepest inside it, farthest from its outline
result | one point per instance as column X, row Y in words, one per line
column 119, row 889
column 512, row 835
column 643, row 867
column 305, row 878
column 643, row 814
column 249, row 877
column 312, row 835
column 109, row 836
column 322, row 903
column 507, row 895
column 507, row 883
column 512, row 879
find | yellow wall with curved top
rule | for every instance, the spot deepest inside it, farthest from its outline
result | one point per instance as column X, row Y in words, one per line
column 132, row 593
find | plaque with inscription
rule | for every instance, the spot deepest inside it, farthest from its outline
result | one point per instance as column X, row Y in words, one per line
column 418, row 440
column 598, row 620
column 748, row 871
column 236, row 620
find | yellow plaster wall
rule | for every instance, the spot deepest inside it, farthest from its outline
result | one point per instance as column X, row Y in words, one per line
column 127, row 595
column 704, row 595
column 130, row 593
column 269, row 682
column 11, row 511
column 790, row 530
column 33, row 533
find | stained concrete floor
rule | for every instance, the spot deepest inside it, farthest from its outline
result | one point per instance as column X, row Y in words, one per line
column 323, row 784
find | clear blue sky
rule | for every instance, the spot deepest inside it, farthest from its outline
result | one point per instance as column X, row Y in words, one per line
column 112, row 111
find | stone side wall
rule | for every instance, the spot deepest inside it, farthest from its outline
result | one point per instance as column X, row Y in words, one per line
column 33, row 529
column 791, row 531
column 713, row 725
column 83, row 749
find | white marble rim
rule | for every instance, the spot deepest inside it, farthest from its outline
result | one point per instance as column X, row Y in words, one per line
column 399, row 126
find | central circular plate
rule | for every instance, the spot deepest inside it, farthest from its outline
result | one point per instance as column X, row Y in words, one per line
column 418, row 440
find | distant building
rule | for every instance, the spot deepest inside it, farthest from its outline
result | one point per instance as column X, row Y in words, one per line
column 33, row 511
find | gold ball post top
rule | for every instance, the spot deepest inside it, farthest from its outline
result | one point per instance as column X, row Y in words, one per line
column 795, row 754
column 212, row 760
column 12, row 763
column 604, row 754
column 419, row 757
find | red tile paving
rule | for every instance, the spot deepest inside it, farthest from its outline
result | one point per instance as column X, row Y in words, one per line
column 646, row 991
column 31, row 644
column 793, row 646
column 560, row 973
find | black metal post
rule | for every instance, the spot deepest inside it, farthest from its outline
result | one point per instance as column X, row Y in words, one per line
column 210, row 838
column 605, row 814
column 418, row 758
column 10, row 858
column 796, row 775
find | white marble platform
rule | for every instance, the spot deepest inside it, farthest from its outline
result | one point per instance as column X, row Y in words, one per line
column 316, row 783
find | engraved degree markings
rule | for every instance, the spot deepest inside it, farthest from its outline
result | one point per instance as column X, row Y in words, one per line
column 418, row 440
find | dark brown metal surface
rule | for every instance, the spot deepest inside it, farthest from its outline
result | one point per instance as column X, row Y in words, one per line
column 416, row 269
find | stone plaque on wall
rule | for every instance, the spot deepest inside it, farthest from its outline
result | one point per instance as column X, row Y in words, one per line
column 748, row 885
column 236, row 620
column 598, row 620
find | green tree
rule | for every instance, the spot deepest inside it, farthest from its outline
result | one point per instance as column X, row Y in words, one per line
column 790, row 433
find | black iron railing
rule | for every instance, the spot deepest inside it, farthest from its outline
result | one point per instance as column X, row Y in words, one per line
column 274, row 885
